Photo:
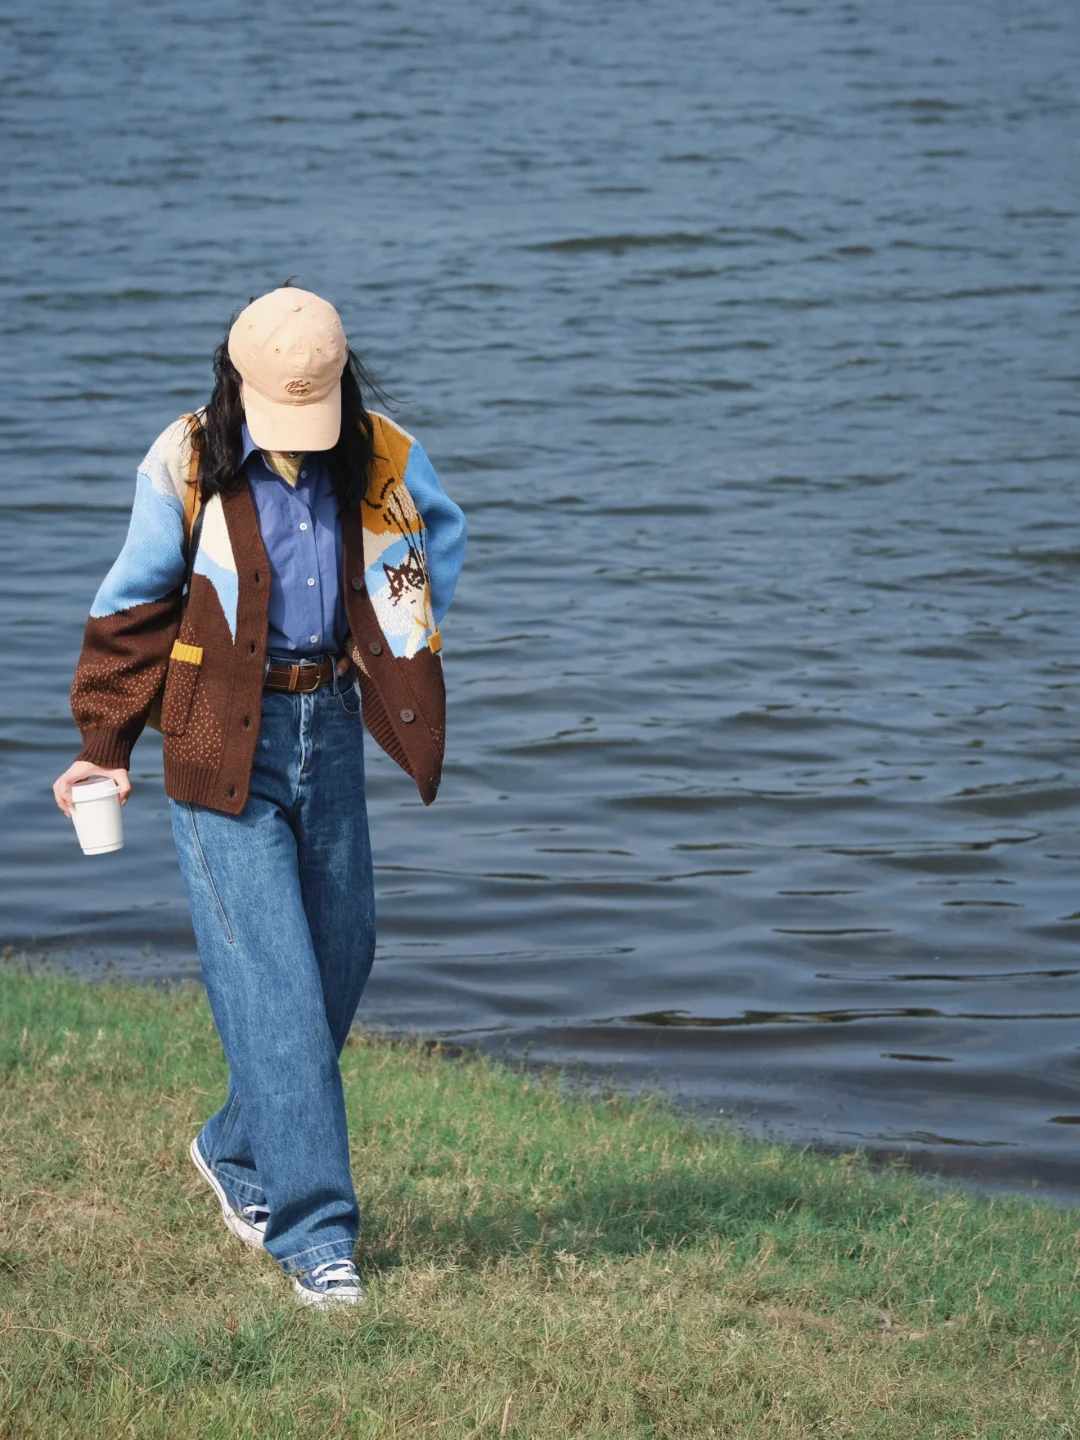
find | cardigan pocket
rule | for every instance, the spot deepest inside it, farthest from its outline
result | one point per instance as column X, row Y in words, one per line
column 180, row 683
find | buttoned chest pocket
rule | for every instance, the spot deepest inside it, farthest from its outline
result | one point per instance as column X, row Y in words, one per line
column 183, row 676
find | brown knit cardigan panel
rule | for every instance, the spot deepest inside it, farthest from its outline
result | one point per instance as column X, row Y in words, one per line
column 210, row 711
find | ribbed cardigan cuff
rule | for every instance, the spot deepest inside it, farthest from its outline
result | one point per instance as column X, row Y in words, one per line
column 111, row 749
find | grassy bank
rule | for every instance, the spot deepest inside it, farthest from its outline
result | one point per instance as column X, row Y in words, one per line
column 603, row 1266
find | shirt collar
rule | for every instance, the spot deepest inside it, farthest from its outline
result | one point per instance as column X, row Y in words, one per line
column 250, row 448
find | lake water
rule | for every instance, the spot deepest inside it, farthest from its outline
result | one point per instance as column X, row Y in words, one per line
column 746, row 336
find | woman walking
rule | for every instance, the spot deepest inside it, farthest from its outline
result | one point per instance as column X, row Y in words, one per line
column 300, row 601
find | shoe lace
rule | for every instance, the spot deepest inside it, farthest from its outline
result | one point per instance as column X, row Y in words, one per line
column 257, row 1214
column 335, row 1272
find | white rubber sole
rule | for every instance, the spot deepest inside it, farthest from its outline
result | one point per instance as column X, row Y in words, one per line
column 236, row 1223
column 331, row 1301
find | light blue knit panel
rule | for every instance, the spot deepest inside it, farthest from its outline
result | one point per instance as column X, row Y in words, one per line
column 151, row 563
column 445, row 526
column 214, row 559
column 224, row 581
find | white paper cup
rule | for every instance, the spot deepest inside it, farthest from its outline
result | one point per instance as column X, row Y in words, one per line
column 95, row 808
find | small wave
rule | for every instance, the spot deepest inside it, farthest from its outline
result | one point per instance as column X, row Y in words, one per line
column 616, row 244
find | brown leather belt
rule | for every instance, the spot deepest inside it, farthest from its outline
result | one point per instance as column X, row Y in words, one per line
column 301, row 677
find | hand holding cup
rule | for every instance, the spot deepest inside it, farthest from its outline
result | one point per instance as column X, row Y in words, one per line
column 82, row 770
column 93, row 797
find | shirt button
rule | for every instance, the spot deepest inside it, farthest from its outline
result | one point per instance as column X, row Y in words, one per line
column 303, row 474
column 303, row 524
column 311, row 580
column 313, row 638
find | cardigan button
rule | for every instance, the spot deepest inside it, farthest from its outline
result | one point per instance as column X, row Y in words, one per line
column 408, row 715
column 357, row 582
column 375, row 646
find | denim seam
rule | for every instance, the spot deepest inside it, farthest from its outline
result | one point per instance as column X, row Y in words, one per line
column 233, row 1182
column 232, row 1106
column 228, row 1111
column 209, row 877
column 332, row 1250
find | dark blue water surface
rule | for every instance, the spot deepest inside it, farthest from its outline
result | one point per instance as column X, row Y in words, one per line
column 746, row 336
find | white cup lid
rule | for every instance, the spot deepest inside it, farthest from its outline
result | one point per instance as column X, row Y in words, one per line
column 99, row 789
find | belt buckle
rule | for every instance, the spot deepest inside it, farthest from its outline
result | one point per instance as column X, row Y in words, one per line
column 294, row 679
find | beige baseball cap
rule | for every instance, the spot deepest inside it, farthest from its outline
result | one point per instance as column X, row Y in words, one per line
column 290, row 350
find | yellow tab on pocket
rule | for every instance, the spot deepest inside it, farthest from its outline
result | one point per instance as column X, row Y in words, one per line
column 191, row 653
column 434, row 641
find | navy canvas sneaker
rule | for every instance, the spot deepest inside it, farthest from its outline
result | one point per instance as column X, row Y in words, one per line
column 335, row 1282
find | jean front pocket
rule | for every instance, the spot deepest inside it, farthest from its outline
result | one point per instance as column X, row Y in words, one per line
column 349, row 698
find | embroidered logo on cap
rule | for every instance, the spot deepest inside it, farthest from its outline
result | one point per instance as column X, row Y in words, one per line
column 298, row 387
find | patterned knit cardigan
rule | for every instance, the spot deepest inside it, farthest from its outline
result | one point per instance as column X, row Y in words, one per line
column 402, row 552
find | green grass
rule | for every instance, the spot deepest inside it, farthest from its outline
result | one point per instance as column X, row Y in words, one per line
column 605, row 1266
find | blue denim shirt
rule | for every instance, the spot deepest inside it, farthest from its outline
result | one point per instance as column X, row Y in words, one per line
column 301, row 530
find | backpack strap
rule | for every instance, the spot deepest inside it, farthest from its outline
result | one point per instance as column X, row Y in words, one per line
column 192, row 496
column 193, row 512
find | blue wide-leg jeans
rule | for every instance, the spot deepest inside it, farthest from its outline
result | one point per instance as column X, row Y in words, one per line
column 282, row 901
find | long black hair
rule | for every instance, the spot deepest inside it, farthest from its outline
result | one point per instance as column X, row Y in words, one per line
column 221, row 443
